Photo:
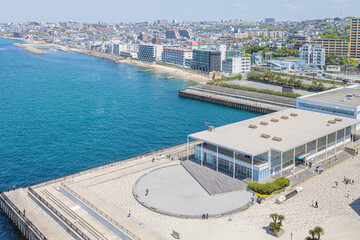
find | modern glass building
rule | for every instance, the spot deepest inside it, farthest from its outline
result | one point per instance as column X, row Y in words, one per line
column 206, row 60
column 265, row 146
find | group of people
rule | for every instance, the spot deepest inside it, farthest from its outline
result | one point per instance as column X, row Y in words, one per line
column 318, row 168
column 205, row 216
column 348, row 180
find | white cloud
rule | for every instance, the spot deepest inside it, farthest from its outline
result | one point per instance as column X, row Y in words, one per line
column 242, row 7
column 339, row 1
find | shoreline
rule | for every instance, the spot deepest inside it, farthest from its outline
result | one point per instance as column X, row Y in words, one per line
column 176, row 71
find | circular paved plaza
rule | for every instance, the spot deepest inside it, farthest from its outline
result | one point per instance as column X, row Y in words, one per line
column 173, row 191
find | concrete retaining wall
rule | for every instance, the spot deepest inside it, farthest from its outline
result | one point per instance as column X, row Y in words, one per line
column 18, row 221
column 95, row 215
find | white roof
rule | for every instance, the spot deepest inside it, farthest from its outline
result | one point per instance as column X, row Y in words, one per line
column 294, row 131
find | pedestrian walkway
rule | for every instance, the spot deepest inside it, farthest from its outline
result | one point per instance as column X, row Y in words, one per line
column 323, row 164
column 171, row 190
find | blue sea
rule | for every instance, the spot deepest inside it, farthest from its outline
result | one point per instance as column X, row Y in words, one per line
column 64, row 111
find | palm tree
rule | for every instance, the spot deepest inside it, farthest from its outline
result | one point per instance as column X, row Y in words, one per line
column 312, row 233
column 318, row 232
column 274, row 216
column 315, row 233
column 280, row 218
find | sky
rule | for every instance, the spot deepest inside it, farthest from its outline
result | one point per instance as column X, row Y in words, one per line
column 115, row 11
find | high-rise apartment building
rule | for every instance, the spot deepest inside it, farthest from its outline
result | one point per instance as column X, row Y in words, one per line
column 337, row 46
column 333, row 46
column 354, row 46
column 206, row 60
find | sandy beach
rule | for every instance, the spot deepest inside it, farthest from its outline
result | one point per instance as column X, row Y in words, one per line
column 186, row 74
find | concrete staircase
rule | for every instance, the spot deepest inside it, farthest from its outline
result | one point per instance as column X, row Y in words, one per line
column 212, row 181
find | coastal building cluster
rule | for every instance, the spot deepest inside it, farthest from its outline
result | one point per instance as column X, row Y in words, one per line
column 228, row 46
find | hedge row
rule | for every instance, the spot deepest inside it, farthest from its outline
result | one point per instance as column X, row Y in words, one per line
column 270, row 187
column 266, row 91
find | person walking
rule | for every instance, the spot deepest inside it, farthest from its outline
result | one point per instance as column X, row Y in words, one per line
column 312, row 203
column 203, row 216
column 336, row 184
column 129, row 214
column 146, row 192
column 348, row 194
column 316, row 204
column 207, row 216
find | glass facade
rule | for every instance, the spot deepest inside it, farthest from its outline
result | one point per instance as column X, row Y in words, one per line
column 327, row 109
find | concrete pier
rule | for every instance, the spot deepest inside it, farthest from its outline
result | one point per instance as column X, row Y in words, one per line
column 240, row 99
column 66, row 208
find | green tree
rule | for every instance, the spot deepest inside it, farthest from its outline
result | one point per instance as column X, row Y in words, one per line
column 246, row 55
column 294, row 40
column 276, row 224
column 315, row 233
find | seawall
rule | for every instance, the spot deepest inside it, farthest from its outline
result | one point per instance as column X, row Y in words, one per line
column 239, row 99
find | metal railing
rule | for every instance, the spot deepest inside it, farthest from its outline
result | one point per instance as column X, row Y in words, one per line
column 25, row 219
column 57, row 213
column 85, row 170
column 103, row 214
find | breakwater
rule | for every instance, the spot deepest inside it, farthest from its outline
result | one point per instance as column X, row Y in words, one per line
column 29, row 48
column 105, row 56
column 239, row 99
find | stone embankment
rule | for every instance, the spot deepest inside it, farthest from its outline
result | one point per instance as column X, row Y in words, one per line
column 105, row 56
column 29, row 48
column 240, row 99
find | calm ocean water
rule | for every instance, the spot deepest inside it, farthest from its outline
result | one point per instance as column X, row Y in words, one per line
column 61, row 112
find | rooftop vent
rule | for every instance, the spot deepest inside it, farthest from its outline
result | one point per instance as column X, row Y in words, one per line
column 284, row 117
column 293, row 114
column 265, row 135
column 252, row 126
column 274, row 120
column 211, row 129
column 332, row 121
column 338, row 119
column 278, row 139
column 264, row 123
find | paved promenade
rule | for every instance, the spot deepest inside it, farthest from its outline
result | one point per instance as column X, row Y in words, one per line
column 300, row 216
column 173, row 191
column 108, row 191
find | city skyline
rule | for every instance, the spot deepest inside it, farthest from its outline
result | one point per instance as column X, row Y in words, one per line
column 112, row 11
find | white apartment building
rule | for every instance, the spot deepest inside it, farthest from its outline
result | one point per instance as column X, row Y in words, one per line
column 312, row 55
column 150, row 52
column 117, row 48
column 177, row 56
column 236, row 65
